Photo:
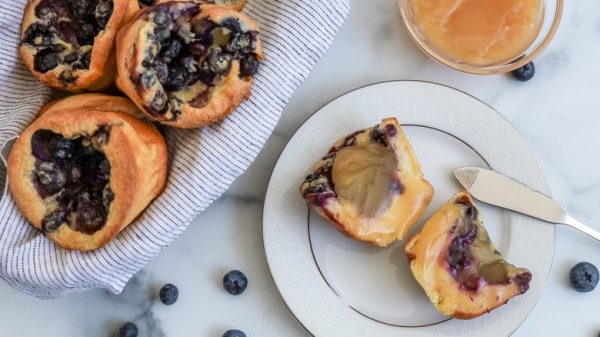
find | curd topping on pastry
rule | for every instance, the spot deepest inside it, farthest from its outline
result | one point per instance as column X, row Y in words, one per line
column 364, row 175
column 457, row 264
column 72, row 177
column 185, row 57
column 63, row 35
column 370, row 185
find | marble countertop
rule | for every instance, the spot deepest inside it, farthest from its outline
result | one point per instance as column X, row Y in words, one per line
column 557, row 112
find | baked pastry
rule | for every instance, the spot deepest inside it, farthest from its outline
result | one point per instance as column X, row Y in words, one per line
column 97, row 102
column 81, row 175
column 370, row 185
column 237, row 5
column 458, row 266
column 69, row 44
column 185, row 64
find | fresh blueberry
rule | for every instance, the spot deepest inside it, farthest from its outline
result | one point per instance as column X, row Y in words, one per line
column 168, row 294
column 584, row 277
column 525, row 73
column 128, row 330
column 235, row 282
column 234, row 333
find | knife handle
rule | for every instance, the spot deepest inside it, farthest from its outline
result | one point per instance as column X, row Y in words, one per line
column 569, row 220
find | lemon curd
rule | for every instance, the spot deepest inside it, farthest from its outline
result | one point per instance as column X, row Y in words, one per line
column 479, row 32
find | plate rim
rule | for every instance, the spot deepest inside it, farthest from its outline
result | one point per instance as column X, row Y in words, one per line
column 445, row 86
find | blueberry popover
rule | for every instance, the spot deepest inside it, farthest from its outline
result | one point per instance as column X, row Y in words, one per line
column 458, row 266
column 80, row 175
column 69, row 44
column 370, row 185
column 187, row 64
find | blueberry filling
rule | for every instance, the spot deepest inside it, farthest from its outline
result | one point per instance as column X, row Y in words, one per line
column 72, row 177
column 64, row 33
column 473, row 261
column 185, row 57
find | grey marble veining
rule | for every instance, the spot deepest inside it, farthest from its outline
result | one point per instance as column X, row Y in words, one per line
column 558, row 112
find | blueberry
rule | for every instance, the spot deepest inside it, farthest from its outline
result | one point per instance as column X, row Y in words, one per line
column 168, row 294
column 584, row 277
column 234, row 333
column 146, row 2
column 239, row 42
column 71, row 57
column 249, row 66
column 158, row 105
column 197, row 48
column 51, row 176
column 52, row 221
column 84, row 62
column 45, row 60
column 179, row 77
column 219, row 63
column 162, row 72
column 235, row 282
column 61, row 148
column 38, row 35
column 162, row 18
column 233, row 24
column 103, row 12
column 525, row 73
column 80, row 8
column 89, row 218
column 85, row 34
column 128, row 330
column 171, row 51
column 67, row 33
column 40, row 144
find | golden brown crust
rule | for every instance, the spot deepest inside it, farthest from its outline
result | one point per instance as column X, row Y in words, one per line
column 137, row 155
column 135, row 6
column 102, row 69
column 98, row 102
column 227, row 94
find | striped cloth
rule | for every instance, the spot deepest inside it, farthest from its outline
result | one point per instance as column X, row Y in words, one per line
column 295, row 35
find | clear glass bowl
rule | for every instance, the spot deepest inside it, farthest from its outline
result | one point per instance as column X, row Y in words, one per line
column 552, row 11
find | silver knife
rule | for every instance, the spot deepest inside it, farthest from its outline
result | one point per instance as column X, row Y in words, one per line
column 499, row 190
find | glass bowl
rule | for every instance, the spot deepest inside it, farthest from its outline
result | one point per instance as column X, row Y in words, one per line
column 552, row 13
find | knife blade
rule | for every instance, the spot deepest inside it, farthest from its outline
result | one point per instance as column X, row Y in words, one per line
column 499, row 190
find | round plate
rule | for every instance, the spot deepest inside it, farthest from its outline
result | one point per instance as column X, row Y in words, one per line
column 336, row 286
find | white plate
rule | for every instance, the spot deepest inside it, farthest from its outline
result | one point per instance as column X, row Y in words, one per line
column 336, row 286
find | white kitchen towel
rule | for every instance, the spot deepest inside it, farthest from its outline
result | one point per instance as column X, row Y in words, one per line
column 295, row 35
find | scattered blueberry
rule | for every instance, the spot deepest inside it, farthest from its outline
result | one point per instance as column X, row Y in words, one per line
column 234, row 333
column 584, row 277
column 169, row 294
column 235, row 282
column 525, row 73
column 128, row 330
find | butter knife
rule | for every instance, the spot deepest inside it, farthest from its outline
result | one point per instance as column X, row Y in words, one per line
column 499, row 190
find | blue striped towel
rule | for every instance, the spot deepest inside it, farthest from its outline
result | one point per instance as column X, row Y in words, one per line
column 295, row 35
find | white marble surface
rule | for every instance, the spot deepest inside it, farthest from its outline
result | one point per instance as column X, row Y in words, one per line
column 557, row 112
